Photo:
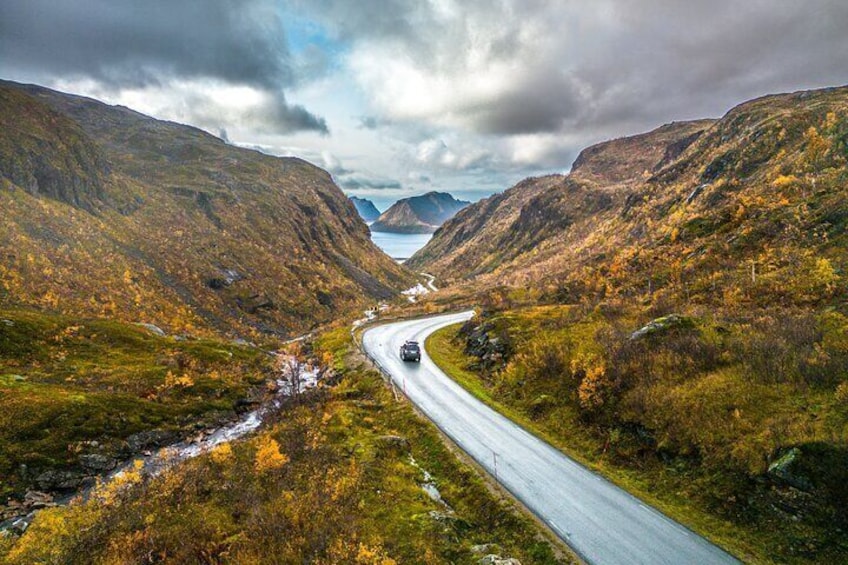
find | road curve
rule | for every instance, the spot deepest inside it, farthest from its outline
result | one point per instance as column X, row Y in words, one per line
column 601, row 522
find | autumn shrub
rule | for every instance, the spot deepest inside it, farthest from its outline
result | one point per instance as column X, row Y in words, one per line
column 801, row 348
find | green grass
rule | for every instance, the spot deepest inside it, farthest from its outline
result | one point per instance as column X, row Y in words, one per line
column 658, row 488
column 345, row 494
column 65, row 381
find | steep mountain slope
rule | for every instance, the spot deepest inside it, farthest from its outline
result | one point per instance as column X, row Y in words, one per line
column 419, row 214
column 109, row 212
column 495, row 231
column 366, row 209
column 670, row 209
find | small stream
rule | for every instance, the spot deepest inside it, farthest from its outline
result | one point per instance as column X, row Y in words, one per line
column 153, row 463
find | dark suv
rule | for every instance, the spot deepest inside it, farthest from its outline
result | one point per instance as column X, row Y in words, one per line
column 410, row 351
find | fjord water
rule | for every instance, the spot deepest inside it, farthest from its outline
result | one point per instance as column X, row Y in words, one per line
column 400, row 246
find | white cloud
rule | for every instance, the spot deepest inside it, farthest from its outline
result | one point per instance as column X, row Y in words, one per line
column 470, row 95
column 210, row 104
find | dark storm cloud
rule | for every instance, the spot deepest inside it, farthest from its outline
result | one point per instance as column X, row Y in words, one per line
column 128, row 40
column 132, row 44
column 273, row 114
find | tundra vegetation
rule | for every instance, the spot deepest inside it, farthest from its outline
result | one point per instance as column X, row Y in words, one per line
column 336, row 478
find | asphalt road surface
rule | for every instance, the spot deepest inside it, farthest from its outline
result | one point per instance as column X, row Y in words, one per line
column 601, row 522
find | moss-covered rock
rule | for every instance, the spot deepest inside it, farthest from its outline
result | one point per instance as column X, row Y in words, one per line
column 662, row 325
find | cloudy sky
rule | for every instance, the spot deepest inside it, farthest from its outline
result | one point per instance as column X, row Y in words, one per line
column 397, row 97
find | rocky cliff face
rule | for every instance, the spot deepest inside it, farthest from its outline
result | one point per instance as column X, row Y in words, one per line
column 110, row 212
column 419, row 214
column 65, row 165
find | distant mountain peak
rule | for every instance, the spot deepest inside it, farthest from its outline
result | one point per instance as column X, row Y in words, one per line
column 366, row 209
column 419, row 214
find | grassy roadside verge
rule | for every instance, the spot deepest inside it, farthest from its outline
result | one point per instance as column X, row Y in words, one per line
column 751, row 545
column 489, row 518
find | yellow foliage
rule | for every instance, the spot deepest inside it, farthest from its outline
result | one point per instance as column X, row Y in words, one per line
column 374, row 555
column 823, row 274
column 835, row 336
column 841, row 393
column 221, row 453
column 817, row 147
column 831, row 121
column 174, row 381
column 785, row 180
column 675, row 232
column 594, row 384
column 107, row 492
column 50, row 299
column 268, row 456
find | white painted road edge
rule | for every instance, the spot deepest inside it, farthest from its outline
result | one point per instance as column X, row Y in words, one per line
column 601, row 522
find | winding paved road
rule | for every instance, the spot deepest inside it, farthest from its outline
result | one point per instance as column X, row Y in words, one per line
column 601, row 522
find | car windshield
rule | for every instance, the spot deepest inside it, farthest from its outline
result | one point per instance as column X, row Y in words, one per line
column 412, row 346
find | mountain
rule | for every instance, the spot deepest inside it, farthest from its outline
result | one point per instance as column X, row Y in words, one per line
column 366, row 209
column 490, row 234
column 419, row 214
column 108, row 212
column 686, row 201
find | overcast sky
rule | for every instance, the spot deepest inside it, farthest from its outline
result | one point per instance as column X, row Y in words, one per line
column 397, row 97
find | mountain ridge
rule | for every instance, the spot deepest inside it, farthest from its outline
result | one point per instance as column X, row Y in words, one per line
column 755, row 157
column 169, row 224
column 538, row 208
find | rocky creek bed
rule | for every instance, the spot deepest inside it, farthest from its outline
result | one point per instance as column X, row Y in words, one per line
column 156, row 450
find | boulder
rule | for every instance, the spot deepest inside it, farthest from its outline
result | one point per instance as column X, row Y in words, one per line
column 450, row 521
column 485, row 548
column 784, row 470
column 150, row 439
column 155, row 330
column 98, row 462
column 491, row 352
column 36, row 499
column 60, row 480
column 498, row 560
column 662, row 325
column 392, row 443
